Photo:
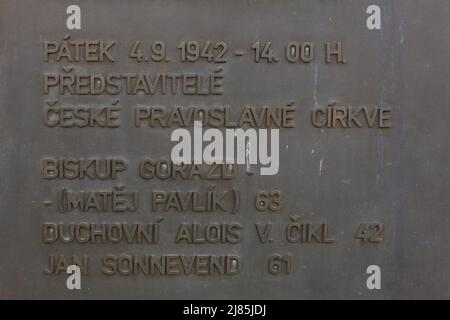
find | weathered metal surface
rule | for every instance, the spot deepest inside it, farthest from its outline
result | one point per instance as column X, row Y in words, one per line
column 354, row 193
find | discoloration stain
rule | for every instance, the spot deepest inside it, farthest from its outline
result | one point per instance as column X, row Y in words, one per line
column 320, row 166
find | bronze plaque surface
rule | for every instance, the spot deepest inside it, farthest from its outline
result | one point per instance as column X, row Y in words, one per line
column 224, row 149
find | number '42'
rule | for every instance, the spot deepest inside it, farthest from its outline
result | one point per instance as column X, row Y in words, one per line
column 370, row 232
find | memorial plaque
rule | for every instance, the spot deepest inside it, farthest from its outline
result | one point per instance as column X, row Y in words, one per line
column 224, row 149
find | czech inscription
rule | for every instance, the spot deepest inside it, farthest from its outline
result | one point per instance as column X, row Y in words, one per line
column 214, row 148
